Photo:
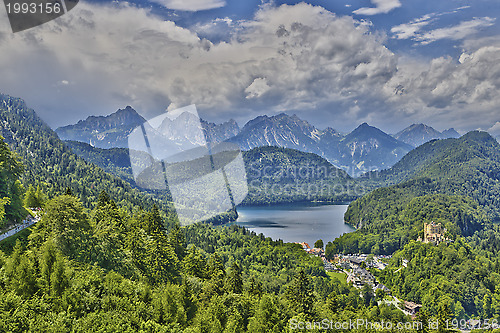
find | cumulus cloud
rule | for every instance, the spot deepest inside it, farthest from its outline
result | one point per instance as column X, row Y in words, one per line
column 257, row 88
column 191, row 5
column 381, row 7
column 300, row 58
column 447, row 90
column 218, row 29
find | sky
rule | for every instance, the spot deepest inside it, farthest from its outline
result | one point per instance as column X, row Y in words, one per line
column 334, row 63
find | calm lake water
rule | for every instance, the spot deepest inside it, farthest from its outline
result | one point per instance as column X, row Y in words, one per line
column 296, row 222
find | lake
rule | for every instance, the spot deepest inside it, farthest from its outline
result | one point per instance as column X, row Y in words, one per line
column 296, row 222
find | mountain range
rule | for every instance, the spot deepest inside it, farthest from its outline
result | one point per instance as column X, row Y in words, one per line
column 366, row 148
column 104, row 131
column 468, row 167
column 418, row 134
column 113, row 131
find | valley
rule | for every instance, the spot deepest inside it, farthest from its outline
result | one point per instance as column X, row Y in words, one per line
column 453, row 181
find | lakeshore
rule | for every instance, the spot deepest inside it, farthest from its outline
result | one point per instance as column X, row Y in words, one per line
column 303, row 222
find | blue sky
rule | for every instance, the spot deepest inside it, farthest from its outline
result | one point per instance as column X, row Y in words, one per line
column 335, row 63
column 392, row 17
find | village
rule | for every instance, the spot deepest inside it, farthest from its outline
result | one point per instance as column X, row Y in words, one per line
column 356, row 267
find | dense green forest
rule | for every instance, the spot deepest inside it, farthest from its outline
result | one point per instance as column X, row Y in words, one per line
column 287, row 175
column 457, row 181
column 464, row 275
column 274, row 175
column 111, row 269
column 454, row 182
column 11, row 191
column 108, row 257
column 107, row 270
column 115, row 161
column 440, row 159
column 49, row 163
column 394, row 222
column 112, row 263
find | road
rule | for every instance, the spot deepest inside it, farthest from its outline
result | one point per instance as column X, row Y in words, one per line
column 19, row 227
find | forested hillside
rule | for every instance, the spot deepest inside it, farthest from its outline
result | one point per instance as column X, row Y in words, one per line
column 111, row 271
column 287, row 175
column 93, row 263
column 274, row 174
column 52, row 165
column 11, row 191
column 472, row 157
column 454, row 182
column 114, row 160
column 458, row 179
column 397, row 218
column 459, row 276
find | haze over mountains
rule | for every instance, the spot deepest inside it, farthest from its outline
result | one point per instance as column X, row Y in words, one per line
column 364, row 149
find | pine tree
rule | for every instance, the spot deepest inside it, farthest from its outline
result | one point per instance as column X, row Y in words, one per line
column 40, row 197
column 444, row 314
column 154, row 222
column 3, row 202
column 103, row 199
column 235, row 280
column 255, row 287
column 195, row 264
column 46, row 264
column 217, row 274
column 10, row 187
column 58, row 278
column 300, row 294
column 177, row 240
column 30, row 199
column 66, row 222
column 266, row 317
column 162, row 262
column 332, row 302
column 20, row 272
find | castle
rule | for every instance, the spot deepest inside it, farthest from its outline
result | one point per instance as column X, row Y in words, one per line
column 434, row 233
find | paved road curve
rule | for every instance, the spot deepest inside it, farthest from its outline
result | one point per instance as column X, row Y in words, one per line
column 19, row 227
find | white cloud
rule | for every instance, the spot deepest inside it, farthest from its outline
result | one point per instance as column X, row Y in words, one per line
column 414, row 29
column 220, row 28
column 191, row 5
column 381, row 7
column 460, row 94
column 457, row 32
column 299, row 58
column 411, row 29
column 257, row 88
column 122, row 55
